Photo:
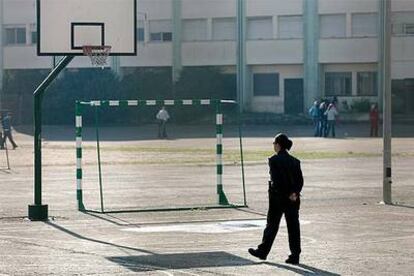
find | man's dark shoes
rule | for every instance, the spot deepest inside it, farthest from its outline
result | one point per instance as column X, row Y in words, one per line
column 257, row 254
column 292, row 260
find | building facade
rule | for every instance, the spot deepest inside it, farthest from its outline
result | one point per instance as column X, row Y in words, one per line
column 296, row 50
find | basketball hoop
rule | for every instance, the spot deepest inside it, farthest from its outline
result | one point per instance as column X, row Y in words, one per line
column 97, row 54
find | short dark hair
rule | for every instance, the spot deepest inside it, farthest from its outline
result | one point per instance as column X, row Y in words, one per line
column 283, row 141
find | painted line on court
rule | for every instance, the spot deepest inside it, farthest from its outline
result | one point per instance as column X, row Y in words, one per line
column 217, row 227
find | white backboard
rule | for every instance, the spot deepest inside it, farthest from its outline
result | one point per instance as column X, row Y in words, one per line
column 64, row 26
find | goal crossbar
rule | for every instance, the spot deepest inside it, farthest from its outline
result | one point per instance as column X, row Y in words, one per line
column 222, row 200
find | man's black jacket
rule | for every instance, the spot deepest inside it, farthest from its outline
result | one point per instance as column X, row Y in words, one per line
column 285, row 174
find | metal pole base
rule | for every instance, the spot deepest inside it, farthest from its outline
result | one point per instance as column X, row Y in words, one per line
column 223, row 199
column 38, row 212
column 81, row 207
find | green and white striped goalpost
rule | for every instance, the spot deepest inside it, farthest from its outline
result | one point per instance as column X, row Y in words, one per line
column 221, row 196
column 78, row 126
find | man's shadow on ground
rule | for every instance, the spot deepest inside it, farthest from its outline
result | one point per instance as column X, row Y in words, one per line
column 303, row 269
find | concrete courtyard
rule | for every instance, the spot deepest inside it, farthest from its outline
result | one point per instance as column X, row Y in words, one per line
column 345, row 228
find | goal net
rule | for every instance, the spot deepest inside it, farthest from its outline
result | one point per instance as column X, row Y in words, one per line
column 126, row 164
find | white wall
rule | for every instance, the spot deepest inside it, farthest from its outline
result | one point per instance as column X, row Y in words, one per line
column 18, row 57
column 208, row 53
column 259, row 52
column 289, row 51
column 403, row 57
column 150, row 54
column 208, row 9
column 273, row 7
column 337, row 50
column 347, row 6
column 155, row 9
column 19, row 11
column 268, row 103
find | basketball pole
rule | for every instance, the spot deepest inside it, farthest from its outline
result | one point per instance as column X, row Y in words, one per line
column 39, row 211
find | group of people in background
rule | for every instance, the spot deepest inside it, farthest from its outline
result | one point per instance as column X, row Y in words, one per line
column 324, row 114
column 7, row 131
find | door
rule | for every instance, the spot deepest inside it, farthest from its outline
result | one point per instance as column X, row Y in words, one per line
column 293, row 96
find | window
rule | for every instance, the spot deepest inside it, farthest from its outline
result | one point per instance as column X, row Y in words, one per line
column 33, row 34
column 408, row 29
column 367, row 83
column 364, row 24
column 259, row 28
column 194, row 29
column 15, row 36
column 266, row 84
column 160, row 30
column 338, row 84
column 141, row 31
column 332, row 25
column 34, row 37
column 290, row 26
column 403, row 23
column 224, row 29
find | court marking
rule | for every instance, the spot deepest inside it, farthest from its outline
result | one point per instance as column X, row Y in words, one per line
column 208, row 228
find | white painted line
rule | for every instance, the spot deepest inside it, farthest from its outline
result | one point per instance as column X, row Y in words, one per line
column 113, row 103
column 209, row 228
column 205, row 102
column 187, row 102
column 132, row 103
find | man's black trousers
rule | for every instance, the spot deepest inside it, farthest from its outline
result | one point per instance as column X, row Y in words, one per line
column 279, row 205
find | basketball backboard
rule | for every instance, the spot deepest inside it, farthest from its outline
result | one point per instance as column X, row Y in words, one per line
column 65, row 26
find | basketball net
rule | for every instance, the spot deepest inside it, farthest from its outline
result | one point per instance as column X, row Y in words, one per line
column 97, row 54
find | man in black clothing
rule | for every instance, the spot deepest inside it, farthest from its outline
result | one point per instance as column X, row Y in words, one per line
column 284, row 198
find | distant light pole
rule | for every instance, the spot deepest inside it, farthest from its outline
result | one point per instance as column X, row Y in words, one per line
column 176, row 41
column 1, row 55
column 384, row 86
column 241, row 53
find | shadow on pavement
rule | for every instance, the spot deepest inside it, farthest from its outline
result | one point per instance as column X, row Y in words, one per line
column 76, row 235
column 403, row 205
column 105, row 218
column 251, row 211
column 180, row 261
column 303, row 269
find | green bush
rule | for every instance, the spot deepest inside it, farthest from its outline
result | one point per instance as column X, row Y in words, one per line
column 360, row 105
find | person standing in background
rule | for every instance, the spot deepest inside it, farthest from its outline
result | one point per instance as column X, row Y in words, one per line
column 374, row 118
column 323, row 119
column 162, row 117
column 331, row 114
column 1, row 140
column 314, row 113
column 5, row 122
